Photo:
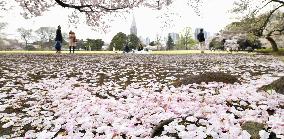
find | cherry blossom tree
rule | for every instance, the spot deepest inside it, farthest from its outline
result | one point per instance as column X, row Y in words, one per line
column 95, row 11
column 262, row 25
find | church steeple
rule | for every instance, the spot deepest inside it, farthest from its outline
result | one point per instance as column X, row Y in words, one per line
column 133, row 28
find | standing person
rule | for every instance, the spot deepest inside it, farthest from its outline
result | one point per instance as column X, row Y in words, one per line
column 140, row 48
column 201, row 40
column 126, row 48
column 58, row 40
column 72, row 41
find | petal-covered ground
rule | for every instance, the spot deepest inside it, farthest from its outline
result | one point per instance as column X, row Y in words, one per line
column 130, row 95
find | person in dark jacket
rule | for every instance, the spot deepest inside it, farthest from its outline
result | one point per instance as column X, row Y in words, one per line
column 201, row 40
column 140, row 48
column 58, row 40
column 126, row 48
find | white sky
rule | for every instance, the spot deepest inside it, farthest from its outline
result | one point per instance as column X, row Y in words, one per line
column 214, row 16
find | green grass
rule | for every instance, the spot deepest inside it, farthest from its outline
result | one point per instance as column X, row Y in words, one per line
column 253, row 128
column 176, row 52
column 53, row 52
column 281, row 58
column 277, row 85
column 279, row 54
column 192, row 52
column 269, row 51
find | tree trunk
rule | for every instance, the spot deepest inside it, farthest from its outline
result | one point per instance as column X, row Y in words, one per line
column 26, row 44
column 273, row 43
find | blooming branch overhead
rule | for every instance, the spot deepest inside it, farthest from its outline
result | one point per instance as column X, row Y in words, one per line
column 94, row 11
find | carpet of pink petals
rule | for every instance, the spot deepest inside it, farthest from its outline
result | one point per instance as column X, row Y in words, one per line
column 126, row 96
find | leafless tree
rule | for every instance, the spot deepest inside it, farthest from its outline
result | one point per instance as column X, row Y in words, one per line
column 25, row 34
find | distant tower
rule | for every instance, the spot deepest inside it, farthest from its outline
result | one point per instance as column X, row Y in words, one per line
column 133, row 28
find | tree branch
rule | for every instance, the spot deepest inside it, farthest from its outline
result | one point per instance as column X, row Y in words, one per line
column 276, row 30
column 77, row 7
column 111, row 9
column 267, row 20
column 278, row 1
column 257, row 10
column 82, row 8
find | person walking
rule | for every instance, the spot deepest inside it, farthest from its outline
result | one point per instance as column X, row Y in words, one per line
column 201, row 40
column 58, row 40
column 72, row 41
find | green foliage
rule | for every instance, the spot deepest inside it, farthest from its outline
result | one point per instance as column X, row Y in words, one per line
column 216, row 43
column 253, row 128
column 98, row 44
column 80, row 44
column 186, row 41
column 94, row 44
column 261, row 25
column 89, row 43
column 277, row 85
column 170, row 43
column 250, row 24
column 252, row 38
column 133, row 41
column 118, row 41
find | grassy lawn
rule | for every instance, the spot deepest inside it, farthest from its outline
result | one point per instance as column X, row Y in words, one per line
column 269, row 51
column 53, row 52
column 192, row 52
column 282, row 58
column 279, row 54
column 111, row 52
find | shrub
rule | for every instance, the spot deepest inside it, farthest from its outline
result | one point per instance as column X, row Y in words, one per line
column 30, row 48
column 216, row 43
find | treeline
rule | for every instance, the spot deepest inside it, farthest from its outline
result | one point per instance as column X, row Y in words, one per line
column 43, row 39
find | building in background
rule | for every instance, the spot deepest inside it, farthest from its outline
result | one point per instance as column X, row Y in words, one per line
column 145, row 41
column 206, row 34
column 133, row 28
column 175, row 37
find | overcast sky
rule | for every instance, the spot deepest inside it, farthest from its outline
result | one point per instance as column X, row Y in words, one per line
column 214, row 16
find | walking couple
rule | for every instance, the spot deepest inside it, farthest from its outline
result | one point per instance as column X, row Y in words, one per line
column 59, row 40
